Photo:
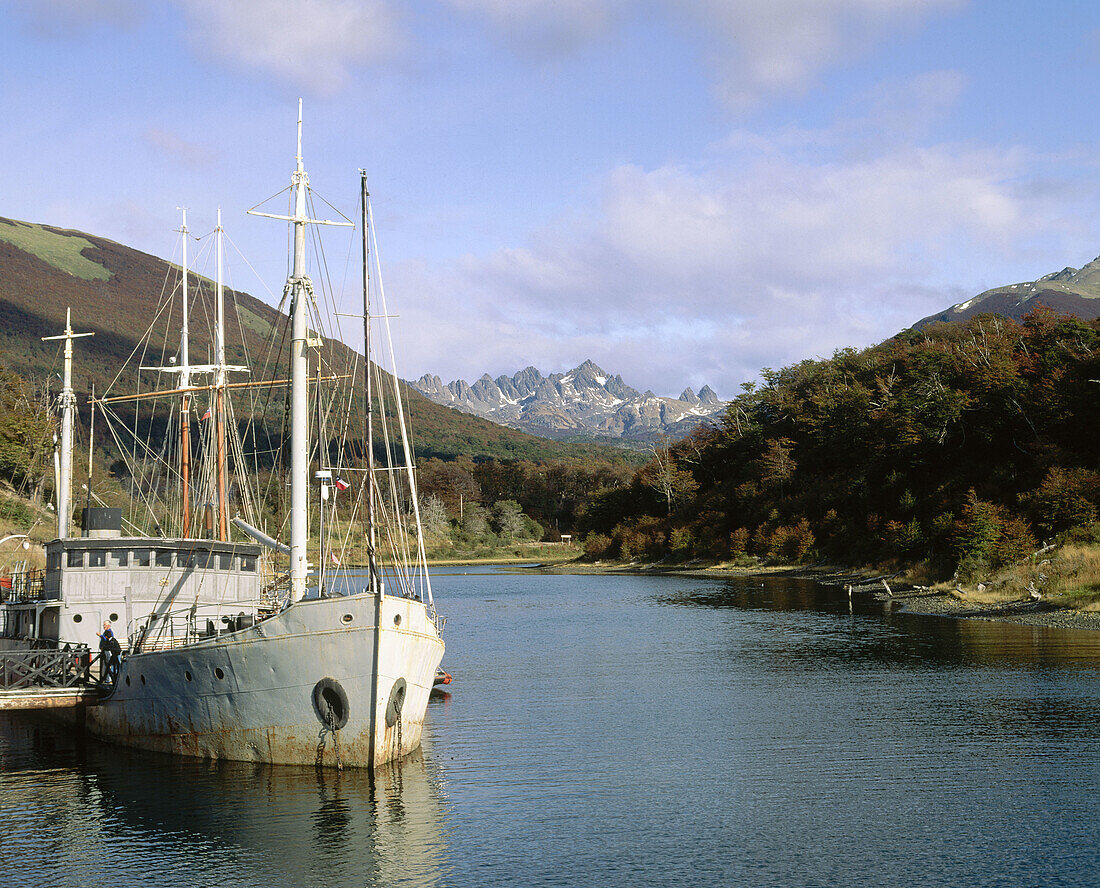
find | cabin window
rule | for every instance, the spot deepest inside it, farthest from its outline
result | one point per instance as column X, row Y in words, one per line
column 53, row 560
column 164, row 559
column 120, row 557
column 248, row 562
column 76, row 558
column 97, row 558
column 200, row 559
column 225, row 562
column 141, row 557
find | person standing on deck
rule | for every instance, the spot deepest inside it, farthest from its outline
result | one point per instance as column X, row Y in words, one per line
column 109, row 646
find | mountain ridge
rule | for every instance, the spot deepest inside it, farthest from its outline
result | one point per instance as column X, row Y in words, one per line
column 1071, row 291
column 584, row 401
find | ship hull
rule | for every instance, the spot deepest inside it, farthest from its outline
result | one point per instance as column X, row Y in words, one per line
column 297, row 688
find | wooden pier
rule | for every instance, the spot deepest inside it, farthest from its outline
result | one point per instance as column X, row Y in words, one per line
column 43, row 678
column 48, row 698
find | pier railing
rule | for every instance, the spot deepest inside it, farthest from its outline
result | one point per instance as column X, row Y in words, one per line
column 43, row 668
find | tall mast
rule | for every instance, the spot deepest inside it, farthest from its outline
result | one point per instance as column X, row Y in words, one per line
column 300, row 288
column 67, row 405
column 219, row 392
column 372, row 560
column 185, row 401
column 91, row 444
column 299, row 384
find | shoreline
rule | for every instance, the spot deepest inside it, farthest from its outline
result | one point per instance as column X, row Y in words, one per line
column 904, row 598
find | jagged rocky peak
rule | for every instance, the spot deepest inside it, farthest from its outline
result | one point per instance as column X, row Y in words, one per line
column 586, row 400
column 589, row 371
column 709, row 396
column 485, row 389
column 1065, row 274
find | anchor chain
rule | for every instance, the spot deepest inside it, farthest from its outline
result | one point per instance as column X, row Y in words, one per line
column 335, row 739
column 329, row 727
column 397, row 704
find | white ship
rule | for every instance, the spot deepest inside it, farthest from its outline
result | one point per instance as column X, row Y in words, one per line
column 221, row 663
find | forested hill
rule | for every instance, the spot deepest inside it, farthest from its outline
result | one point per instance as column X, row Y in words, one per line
column 962, row 444
column 113, row 291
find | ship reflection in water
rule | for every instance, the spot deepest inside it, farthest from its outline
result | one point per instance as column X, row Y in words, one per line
column 118, row 817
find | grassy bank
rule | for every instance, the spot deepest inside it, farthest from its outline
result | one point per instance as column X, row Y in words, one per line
column 1058, row 586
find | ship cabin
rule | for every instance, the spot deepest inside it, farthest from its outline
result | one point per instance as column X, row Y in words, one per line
column 191, row 588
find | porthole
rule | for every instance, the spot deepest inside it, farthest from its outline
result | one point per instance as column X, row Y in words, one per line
column 77, row 618
column 143, row 679
column 187, row 675
column 397, row 619
column 346, row 618
column 218, row 672
column 114, row 618
column 127, row 681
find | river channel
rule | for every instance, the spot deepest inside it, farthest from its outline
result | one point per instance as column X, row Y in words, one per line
column 621, row 731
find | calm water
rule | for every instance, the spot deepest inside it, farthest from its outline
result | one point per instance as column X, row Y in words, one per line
column 613, row 731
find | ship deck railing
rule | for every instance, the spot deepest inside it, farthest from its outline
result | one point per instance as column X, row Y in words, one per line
column 26, row 587
column 179, row 628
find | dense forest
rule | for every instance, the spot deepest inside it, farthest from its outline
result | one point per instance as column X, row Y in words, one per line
column 960, row 445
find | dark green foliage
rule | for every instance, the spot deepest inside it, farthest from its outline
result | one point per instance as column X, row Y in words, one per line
column 16, row 511
column 957, row 444
column 25, row 431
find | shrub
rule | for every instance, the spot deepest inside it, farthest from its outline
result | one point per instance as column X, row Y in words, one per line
column 681, row 541
column 596, row 545
column 739, row 542
column 987, row 538
column 1065, row 499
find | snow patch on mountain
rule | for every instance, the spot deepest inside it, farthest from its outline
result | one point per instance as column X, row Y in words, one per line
column 584, row 401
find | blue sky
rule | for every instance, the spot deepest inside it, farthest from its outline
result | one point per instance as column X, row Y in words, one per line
column 683, row 191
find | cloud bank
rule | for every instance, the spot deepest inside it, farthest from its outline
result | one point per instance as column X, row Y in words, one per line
column 314, row 44
column 778, row 250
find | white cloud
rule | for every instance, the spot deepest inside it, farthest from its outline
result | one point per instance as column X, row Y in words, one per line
column 545, row 27
column 65, row 18
column 755, row 50
column 190, row 154
column 314, row 44
column 780, row 47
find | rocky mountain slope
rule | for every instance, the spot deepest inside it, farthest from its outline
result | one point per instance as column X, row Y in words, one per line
column 1072, row 291
column 585, row 402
